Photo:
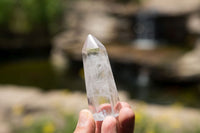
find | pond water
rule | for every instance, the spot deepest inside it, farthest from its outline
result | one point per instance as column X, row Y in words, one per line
column 40, row 72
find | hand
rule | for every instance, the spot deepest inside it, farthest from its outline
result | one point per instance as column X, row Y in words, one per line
column 124, row 123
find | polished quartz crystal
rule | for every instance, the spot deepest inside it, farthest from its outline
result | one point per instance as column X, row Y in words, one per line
column 101, row 90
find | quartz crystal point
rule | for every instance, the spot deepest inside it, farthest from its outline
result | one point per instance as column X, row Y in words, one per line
column 101, row 90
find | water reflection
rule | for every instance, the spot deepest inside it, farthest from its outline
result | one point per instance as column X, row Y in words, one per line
column 143, row 81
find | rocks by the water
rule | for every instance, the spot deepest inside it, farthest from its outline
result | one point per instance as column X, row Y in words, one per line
column 189, row 64
column 172, row 6
column 112, row 22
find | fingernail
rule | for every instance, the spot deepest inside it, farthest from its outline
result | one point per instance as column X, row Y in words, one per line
column 83, row 118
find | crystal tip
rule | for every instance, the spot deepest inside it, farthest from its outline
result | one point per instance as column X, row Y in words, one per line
column 92, row 44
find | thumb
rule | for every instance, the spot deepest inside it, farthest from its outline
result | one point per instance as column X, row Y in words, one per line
column 86, row 122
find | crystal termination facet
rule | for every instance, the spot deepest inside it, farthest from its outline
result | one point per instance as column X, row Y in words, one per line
column 101, row 90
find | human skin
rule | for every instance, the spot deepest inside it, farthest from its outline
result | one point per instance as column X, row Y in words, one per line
column 124, row 123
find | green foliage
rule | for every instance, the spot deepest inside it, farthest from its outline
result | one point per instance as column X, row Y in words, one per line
column 144, row 124
column 164, row 124
column 47, row 125
column 30, row 14
column 70, row 121
column 40, row 11
column 6, row 7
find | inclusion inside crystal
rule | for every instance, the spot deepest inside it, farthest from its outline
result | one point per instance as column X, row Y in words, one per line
column 100, row 85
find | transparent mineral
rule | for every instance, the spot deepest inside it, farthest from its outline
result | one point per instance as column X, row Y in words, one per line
column 100, row 85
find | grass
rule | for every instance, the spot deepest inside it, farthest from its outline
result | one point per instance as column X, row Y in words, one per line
column 47, row 125
column 144, row 124
column 147, row 124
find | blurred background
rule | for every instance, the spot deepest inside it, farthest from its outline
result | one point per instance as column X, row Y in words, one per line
column 154, row 50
